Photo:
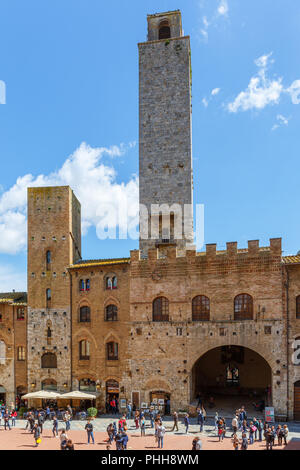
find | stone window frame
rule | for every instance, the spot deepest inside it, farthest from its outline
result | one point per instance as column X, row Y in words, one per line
column 111, row 281
column 20, row 313
column 87, row 313
column 115, row 312
column 112, row 351
column 21, row 353
column 201, row 308
column 84, row 350
column 164, row 30
column 243, row 307
column 161, row 309
column 50, row 365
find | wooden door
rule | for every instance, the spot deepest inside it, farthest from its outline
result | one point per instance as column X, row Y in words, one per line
column 297, row 401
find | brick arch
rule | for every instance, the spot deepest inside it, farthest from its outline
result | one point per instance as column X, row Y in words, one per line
column 154, row 384
column 269, row 358
column 111, row 301
column 84, row 333
column 111, row 335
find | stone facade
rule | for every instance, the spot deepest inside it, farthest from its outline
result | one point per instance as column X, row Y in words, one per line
column 165, row 122
column 54, row 242
column 97, row 321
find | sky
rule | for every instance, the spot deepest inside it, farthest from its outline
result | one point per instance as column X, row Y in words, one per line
column 69, row 115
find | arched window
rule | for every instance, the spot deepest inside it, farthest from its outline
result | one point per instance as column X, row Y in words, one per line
column 49, row 361
column 201, row 308
column 164, row 30
column 243, row 307
column 48, row 297
column 298, row 307
column 87, row 385
column 160, row 309
column 85, row 314
column 21, row 353
column 111, row 313
column 84, row 350
column 81, row 285
column 2, row 352
column 111, row 282
column 48, row 259
column 49, row 385
column 112, row 351
column 20, row 313
column 87, row 285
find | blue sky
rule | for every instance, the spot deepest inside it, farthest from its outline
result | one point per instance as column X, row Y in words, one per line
column 71, row 73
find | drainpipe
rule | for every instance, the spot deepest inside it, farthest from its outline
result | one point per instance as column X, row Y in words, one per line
column 287, row 285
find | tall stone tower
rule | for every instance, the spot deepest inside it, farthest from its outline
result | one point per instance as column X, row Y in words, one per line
column 54, row 242
column 165, row 132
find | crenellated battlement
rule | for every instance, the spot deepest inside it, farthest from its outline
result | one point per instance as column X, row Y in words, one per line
column 211, row 254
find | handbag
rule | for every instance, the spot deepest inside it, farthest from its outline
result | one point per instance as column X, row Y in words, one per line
column 39, row 440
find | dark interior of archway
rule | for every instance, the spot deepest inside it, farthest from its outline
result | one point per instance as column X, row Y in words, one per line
column 164, row 32
column 231, row 371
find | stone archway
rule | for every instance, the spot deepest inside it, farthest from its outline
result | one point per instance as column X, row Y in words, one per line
column 231, row 376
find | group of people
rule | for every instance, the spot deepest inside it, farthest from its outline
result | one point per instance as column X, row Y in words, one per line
column 8, row 417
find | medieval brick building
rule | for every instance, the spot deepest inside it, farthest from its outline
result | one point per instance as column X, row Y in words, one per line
column 166, row 322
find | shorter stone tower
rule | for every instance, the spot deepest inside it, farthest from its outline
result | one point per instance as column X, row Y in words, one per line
column 54, row 242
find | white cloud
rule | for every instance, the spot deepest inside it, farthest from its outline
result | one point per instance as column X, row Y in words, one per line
column 205, row 102
column 223, row 8
column 281, row 121
column 261, row 90
column 294, row 91
column 93, row 182
column 215, row 91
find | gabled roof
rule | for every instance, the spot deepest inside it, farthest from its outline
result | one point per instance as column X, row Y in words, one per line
column 16, row 298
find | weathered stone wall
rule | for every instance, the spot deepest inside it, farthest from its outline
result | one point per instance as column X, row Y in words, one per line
column 99, row 332
column 165, row 154
column 160, row 350
column 53, row 224
column 7, row 362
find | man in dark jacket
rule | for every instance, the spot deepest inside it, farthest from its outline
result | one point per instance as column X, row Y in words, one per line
column 40, row 422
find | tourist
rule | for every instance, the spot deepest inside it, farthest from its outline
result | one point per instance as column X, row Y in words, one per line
column 113, row 406
column 234, row 425
column 136, row 419
column 197, row 444
column 48, row 413
column 244, row 443
column 125, row 439
column 63, row 439
column 280, row 434
column 70, row 445
column 6, row 420
column 175, row 421
column 143, row 426
column 122, row 424
column 67, row 418
column 224, row 427
column 90, row 431
column 255, row 424
column 260, row 428
column 269, row 438
column 285, row 434
column 13, row 416
column 220, row 430
column 201, row 419
column 55, row 427
column 37, row 434
column 129, row 411
column 186, row 423
column 110, row 433
column 157, row 423
column 168, row 407
column 160, row 435
column 235, row 442
column 151, row 416
column 40, row 421
column 252, row 430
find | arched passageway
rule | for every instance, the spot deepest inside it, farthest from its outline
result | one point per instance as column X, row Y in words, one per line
column 231, row 376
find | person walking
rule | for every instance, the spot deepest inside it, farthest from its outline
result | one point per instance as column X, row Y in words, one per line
column 67, row 418
column 285, row 434
column 201, row 420
column 234, row 424
column 256, row 424
column 252, row 430
column 63, row 439
column 40, row 421
column 55, row 427
column 143, row 427
column 269, row 439
column 244, row 443
column 48, row 413
column 280, row 434
column 13, row 416
column 221, row 430
column 136, row 419
column 90, row 431
column 125, row 440
column 186, row 423
column 175, row 421
column 160, row 435
column 129, row 411
column 216, row 422
column 151, row 416
column 6, row 420
column 235, row 442
column 260, row 428
column 37, row 434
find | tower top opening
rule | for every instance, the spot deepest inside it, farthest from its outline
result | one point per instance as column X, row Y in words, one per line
column 164, row 25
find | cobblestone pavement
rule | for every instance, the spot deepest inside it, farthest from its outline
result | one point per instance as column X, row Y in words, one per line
column 100, row 425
